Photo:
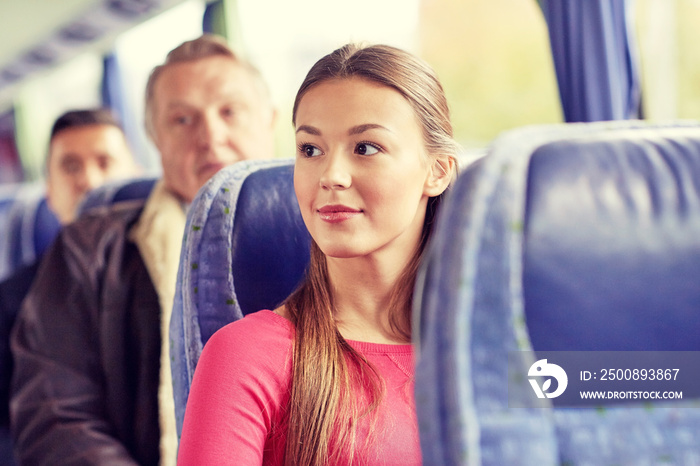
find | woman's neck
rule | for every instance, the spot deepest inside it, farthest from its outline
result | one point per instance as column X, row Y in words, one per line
column 362, row 293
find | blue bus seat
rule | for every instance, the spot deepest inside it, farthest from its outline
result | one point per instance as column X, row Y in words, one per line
column 581, row 237
column 8, row 194
column 7, row 197
column 29, row 228
column 245, row 249
column 118, row 191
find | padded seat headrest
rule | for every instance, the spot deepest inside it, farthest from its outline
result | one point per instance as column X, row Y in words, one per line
column 612, row 243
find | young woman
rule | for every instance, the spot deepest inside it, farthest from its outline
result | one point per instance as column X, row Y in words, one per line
column 327, row 378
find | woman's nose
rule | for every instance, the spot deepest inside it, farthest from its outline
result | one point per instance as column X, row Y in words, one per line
column 336, row 173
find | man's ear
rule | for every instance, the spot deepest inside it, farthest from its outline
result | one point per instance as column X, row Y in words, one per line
column 441, row 173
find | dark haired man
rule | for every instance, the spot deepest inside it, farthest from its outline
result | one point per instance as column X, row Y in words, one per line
column 87, row 148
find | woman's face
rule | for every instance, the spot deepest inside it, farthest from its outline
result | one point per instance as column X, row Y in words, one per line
column 362, row 174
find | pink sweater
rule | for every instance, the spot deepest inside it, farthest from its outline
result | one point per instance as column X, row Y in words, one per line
column 240, row 392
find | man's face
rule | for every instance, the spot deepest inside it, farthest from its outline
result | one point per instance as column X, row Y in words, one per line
column 81, row 159
column 207, row 114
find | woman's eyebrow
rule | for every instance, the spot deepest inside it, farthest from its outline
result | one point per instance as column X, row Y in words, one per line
column 366, row 127
column 309, row 129
column 351, row 132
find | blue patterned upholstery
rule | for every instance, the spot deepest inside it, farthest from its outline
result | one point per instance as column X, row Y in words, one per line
column 565, row 237
column 245, row 249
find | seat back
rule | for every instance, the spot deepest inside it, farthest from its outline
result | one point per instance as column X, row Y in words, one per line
column 118, row 191
column 566, row 238
column 245, row 249
column 29, row 227
column 7, row 197
column 612, row 238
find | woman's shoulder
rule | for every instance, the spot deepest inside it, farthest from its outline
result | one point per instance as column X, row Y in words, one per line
column 239, row 391
column 262, row 335
column 265, row 320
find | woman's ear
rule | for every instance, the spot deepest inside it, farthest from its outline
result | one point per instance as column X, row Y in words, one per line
column 441, row 173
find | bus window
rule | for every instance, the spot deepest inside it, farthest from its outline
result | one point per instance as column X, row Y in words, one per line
column 74, row 84
column 495, row 62
column 54, row 60
column 286, row 44
column 136, row 52
column 670, row 57
column 492, row 56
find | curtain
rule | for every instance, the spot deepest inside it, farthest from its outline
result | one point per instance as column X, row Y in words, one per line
column 595, row 58
column 112, row 88
column 214, row 21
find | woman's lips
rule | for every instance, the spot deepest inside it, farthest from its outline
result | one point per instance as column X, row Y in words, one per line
column 337, row 213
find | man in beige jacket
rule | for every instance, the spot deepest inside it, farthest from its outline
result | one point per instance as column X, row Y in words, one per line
column 92, row 380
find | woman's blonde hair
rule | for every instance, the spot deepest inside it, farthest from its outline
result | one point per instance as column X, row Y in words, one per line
column 323, row 411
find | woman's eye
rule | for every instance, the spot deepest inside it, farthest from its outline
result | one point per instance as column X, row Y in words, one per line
column 310, row 151
column 365, row 148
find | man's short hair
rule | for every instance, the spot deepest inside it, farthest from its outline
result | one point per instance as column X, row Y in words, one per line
column 205, row 46
column 79, row 118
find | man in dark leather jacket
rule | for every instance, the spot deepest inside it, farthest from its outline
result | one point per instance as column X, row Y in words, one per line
column 92, row 379
column 87, row 148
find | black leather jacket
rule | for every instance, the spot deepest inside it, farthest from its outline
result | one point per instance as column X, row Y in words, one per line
column 86, row 349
